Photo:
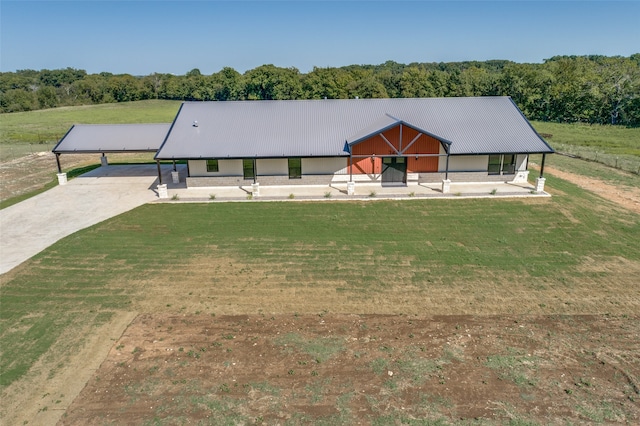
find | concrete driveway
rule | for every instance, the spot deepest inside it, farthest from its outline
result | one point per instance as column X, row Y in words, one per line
column 32, row 225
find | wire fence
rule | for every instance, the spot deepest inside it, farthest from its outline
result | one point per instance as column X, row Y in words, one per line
column 11, row 151
column 627, row 163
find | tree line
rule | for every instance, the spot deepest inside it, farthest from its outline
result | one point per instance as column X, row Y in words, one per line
column 590, row 89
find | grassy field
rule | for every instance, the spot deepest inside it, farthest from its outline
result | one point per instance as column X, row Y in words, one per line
column 618, row 140
column 614, row 146
column 22, row 133
column 469, row 256
column 574, row 254
column 568, row 256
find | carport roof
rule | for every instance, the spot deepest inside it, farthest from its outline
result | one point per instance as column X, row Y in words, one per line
column 308, row 128
column 98, row 138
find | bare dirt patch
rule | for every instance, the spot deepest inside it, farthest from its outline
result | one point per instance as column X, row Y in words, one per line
column 361, row 369
column 625, row 196
column 32, row 172
column 60, row 374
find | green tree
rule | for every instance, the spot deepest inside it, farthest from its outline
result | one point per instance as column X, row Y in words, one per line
column 47, row 97
column 440, row 82
column 366, row 85
column 528, row 85
column 330, row 83
column 475, row 81
column 124, row 88
column 61, row 77
column 415, row 83
column 227, row 85
column 16, row 100
column 93, row 89
column 620, row 87
column 271, row 82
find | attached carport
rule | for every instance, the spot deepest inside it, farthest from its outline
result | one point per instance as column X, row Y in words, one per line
column 110, row 138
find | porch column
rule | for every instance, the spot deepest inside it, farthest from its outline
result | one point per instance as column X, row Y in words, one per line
column 541, row 180
column 62, row 177
column 58, row 162
column 351, row 185
column 255, row 170
column 255, row 186
column 175, row 175
column 159, row 172
column 162, row 188
column 446, row 183
column 103, row 160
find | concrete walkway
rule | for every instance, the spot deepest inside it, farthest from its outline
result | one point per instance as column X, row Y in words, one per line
column 32, row 225
column 338, row 191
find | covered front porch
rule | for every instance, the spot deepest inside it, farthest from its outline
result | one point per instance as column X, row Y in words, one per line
column 180, row 192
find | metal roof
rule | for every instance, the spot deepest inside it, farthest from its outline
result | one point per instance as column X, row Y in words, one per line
column 89, row 138
column 308, row 128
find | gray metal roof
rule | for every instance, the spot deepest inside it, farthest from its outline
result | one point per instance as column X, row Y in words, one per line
column 88, row 138
column 308, row 128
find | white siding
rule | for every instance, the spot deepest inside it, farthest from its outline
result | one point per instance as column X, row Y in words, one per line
column 272, row 167
column 324, row 165
column 465, row 163
column 225, row 168
column 337, row 165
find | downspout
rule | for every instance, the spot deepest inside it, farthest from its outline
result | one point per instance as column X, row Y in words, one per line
column 159, row 172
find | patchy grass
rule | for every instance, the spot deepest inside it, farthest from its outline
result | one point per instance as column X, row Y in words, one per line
column 255, row 378
column 319, row 350
column 574, row 253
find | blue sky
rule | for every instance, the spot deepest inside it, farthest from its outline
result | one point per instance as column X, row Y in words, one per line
column 142, row 37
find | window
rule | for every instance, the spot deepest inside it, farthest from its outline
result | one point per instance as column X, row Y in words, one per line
column 248, row 170
column 212, row 165
column 494, row 164
column 502, row 164
column 295, row 168
column 508, row 164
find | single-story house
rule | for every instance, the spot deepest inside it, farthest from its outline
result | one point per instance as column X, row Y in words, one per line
column 385, row 141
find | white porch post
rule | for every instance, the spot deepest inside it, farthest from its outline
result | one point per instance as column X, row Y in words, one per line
column 540, row 184
column 62, row 178
column 351, row 188
column 162, row 191
column 446, row 186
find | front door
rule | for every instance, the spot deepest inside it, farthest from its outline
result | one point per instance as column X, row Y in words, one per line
column 394, row 170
